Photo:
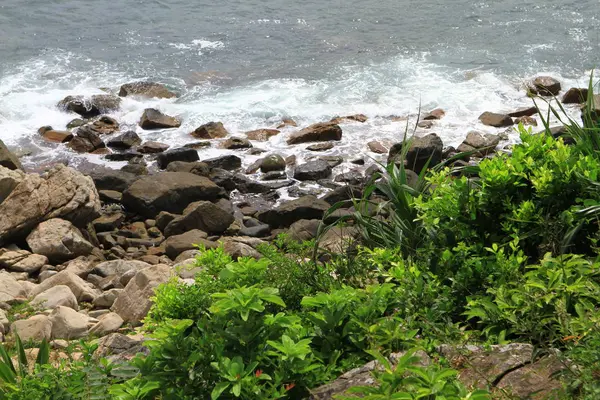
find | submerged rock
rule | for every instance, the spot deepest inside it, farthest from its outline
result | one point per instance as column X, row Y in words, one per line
column 92, row 106
column 545, row 86
column 313, row 170
column 262, row 135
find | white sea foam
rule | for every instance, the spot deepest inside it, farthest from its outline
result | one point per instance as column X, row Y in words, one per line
column 29, row 93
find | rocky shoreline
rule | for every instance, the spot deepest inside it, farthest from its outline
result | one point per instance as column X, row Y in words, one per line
column 84, row 248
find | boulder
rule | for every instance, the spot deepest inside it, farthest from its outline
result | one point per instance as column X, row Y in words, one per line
column 286, row 122
column 108, row 323
column 426, row 150
column 8, row 258
column 235, row 143
column 438, row 113
column 108, row 222
column 182, row 154
column 378, row 147
column 9, row 180
column 307, row 207
column 8, row 159
column 119, row 344
column 55, row 136
column 339, row 240
column 92, row 106
column 134, row 302
column 343, row 193
column 523, row 112
column 237, row 249
column 81, row 266
column 177, row 244
column 211, row 130
column 168, row 191
column 152, row 147
column 86, row 141
column 321, row 132
column 352, row 177
column 312, row 171
column 68, row 324
column 125, row 141
column 59, row 240
column 227, row 162
column 320, row 146
column 304, row 230
column 56, row 296
column 154, row 119
column 107, row 298
column 273, row 162
column 30, row 264
column 146, row 89
column 10, row 288
column 484, row 143
column 575, row 96
column 350, row 118
column 112, row 179
column 495, row 119
column 202, row 215
column 82, row 290
column 33, row 329
column 526, row 121
column 262, row 135
column 104, row 125
column 196, row 168
column 118, row 267
column 545, row 86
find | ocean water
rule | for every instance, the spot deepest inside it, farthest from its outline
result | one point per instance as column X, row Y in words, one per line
column 250, row 63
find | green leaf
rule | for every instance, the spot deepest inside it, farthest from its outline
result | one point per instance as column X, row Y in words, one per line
column 218, row 390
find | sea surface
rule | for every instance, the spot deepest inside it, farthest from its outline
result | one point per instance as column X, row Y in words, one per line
column 250, row 63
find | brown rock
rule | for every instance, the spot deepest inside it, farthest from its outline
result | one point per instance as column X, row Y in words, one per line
column 523, row 112
column 52, row 135
column 575, row 96
column 146, row 89
column 320, row 146
column 526, row 121
column 152, row 148
column 92, row 106
column 175, row 245
column 495, row 120
column 262, row 135
column 235, row 143
column 321, row 132
column 355, row 118
column 545, row 86
column 438, row 113
column 8, row 159
column 211, row 130
column 287, row 122
column 154, row 119
column 378, row 147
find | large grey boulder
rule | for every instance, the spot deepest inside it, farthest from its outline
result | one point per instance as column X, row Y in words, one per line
column 154, row 119
column 118, row 267
column 108, row 323
column 82, row 290
column 60, row 193
column 203, row 215
column 10, row 288
column 134, row 301
column 177, row 244
column 59, row 240
column 9, row 180
column 36, row 328
column 68, row 323
column 57, row 296
column 168, row 191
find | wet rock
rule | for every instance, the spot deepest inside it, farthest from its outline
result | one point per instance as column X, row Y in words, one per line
column 349, row 118
column 273, row 162
column 228, row 162
column 526, row 121
column 333, row 161
column 182, row 154
column 358, row 161
column 92, row 106
column 82, row 290
column 198, row 145
column 273, row 176
column 134, row 301
column 484, row 143
column 168, row 191
column 104, row 125
column 575, row 96
column 495, row 119
column 135, row 168
column 55, row 136
column 202, row 215
column 438, row 113
column 152, row 147
column 254, row 167
column 235, row 143
column 86, row 141
column 128, row 156
column 321, row 132
column 112, row 179
column 545, row 86
column 125, row 141
column 245, row 185
column 307, row 207
column 342, row 193
column 425, row 124
column 262, row 135
column 286, row 122
column 58, row 240
column 60, row 193
column 312, row 171
column 378, row 147
column 320, row 146
column 426, row 150
column 146, row 89
column 154, row 119
column 9, row 180
column 110, row 196
column 75, row 123
column 353, row 177
column 523, row 112
column 211, row 130
column 196, row 168
column 36, row 328
column 57, row 296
